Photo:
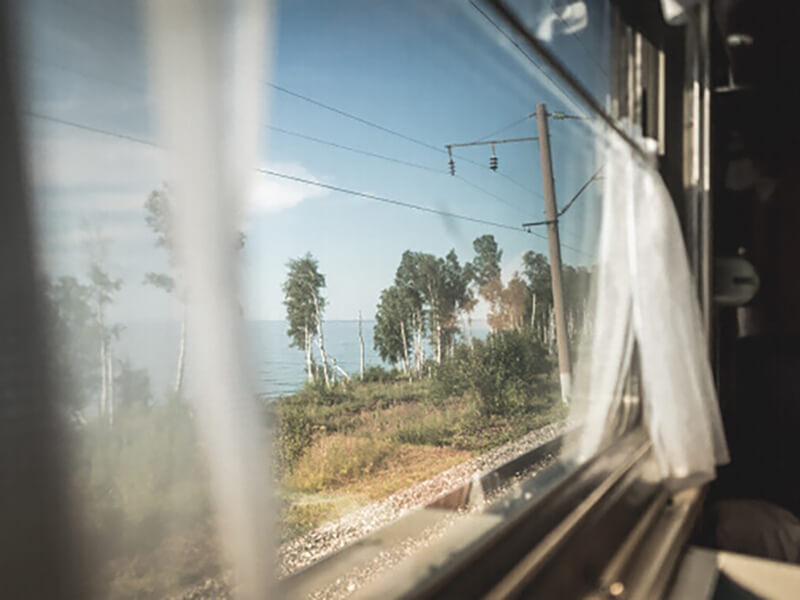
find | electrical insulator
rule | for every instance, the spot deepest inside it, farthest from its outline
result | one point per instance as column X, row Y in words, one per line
column 452, row 167
column 493, row 163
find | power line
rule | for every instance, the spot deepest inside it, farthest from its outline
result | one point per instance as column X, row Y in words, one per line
column 488, row 193
column 354, row 150
column 354, row 117
column 580, row 41
column 569, row 204
column 89, row 128
column 272, row 127
column 138, row 140
column 391, row 159
column 507, row 127
column 520, row 49
column 388, row 130
column 418, row 207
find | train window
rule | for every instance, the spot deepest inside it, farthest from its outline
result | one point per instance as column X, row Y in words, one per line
column 329, row 261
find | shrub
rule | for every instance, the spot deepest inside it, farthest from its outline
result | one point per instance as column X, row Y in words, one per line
column 452, row 377
column 505, row 371
column 295, row 433
column 378, row 374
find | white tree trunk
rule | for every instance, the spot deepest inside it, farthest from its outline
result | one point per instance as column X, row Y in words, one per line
column 438, row 342
column 406, row 365
column 361, row 343
column 336, row 367
column 110, row 382
column 307, row 343
column 321, row 343
column 181, row 367
column 419, row 345
column 533, row 312
column 103, row 376
column 103, row 361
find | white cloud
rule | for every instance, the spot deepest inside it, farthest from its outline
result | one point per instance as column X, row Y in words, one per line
column 270, row 194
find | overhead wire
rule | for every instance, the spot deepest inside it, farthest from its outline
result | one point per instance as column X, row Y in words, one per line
column 514, row 42
column 579, row 39
column 507, row 127
column 394, row 160
column 410, row 205
column 391, row 131
column 286, row 176
column 279, row 130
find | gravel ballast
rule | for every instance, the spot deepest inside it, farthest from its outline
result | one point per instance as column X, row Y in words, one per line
column 334, row 535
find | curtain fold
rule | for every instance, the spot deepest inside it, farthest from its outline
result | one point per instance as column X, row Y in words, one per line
column 644, row 295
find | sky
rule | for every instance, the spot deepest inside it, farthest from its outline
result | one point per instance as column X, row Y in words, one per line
column 437, row 72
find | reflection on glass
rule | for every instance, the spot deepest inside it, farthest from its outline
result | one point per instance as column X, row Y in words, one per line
column 400, row 318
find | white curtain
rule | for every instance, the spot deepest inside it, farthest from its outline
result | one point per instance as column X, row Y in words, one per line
column 208, row 59
column 644, row 296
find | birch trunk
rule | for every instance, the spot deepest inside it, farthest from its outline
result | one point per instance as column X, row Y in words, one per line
column 307, row 343
column 103, row 377
column 533, row 312
column 419, row 348
column 110, row 383
column 438, row 342
column 361, row 343
column 321, row 343
column 406, row 365
column 103, row 361
column 179, row 370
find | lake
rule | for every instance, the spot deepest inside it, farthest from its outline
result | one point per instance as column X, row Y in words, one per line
column 278, row 368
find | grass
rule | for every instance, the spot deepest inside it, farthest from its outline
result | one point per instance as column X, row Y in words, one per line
column 145, row 483
column 364, row 442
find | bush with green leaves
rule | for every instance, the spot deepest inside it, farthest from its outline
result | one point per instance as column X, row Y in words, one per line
column 506, row 371
column 295, row 433
column 378, row 374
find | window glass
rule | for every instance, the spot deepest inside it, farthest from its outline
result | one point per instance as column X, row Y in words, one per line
column 396, row 283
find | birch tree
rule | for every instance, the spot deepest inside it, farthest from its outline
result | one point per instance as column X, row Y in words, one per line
column 71, row 319
column 159, row 217
column 102, row 290
column 394, row 323
column 305, row 306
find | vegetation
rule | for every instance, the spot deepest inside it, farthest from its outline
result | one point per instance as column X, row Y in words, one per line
column 340, row 442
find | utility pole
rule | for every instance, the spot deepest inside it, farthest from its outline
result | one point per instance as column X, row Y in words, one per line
column 564, row 363
column 552, row 214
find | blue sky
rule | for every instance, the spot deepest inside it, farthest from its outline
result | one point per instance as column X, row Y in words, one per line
column 433, row 71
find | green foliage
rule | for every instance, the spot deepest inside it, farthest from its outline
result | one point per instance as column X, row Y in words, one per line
column 394, row 325
column 159, row 218
column 506, row 370
column 435, row 429
column 427, row 295
column 132, row 387
column 74, row 339
column 144, row 486
column 303, row 299
column 295, row 433
column 486, row 265
column 378, row 374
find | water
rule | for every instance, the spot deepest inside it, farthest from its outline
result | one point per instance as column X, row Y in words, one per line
column 278, row 368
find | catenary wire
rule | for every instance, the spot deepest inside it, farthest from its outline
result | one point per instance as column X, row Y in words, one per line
column 139, row 140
